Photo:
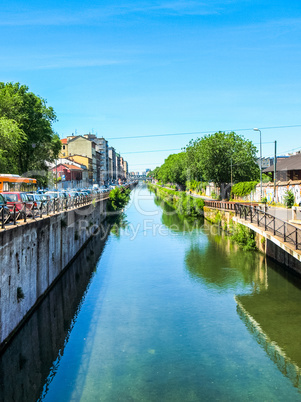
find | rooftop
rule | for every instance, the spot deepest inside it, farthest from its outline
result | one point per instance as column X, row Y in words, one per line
column 291, row 163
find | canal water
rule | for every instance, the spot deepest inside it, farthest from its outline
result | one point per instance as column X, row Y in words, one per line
column 163, row 309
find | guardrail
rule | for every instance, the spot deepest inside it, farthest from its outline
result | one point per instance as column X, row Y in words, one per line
column 253, row 214
column 11, row 214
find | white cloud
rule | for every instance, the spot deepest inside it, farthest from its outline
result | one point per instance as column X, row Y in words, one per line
column 51, row 62
column 27, row 17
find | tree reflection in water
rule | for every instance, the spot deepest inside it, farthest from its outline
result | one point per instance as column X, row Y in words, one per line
column 229, row 269
column 243, row 270
column 268, row 297
column 118, row 223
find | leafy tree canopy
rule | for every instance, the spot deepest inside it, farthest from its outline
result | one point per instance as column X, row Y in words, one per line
column 174, row 169
column 211, row 157
column 11, row 140
column 26, row 124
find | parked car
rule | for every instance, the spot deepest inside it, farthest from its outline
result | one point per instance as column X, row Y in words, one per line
column 20, row 201
column 4, row 210
column 52, row 194
column 39, row 199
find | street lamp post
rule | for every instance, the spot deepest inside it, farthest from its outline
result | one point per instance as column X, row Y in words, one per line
column 257, row 129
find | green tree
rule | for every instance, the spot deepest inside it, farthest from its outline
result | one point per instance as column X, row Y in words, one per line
column 118, row 198
column 34, row 121
column 11, row 140
column 211, row 158
column 174, row 169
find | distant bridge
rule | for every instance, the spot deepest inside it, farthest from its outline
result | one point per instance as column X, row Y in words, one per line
column 139, row 177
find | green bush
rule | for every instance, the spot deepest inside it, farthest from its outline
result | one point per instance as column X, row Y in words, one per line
column 190, row 206
column 118, row 198
column 198, row 186
column 244, row 236
column 289, row 199
column 183, row 203
column 243, row 188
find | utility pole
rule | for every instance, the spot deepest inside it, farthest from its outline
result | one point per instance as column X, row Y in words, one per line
column 275, row 170
column 231, row 174
column 56, row 174
column 257, row 129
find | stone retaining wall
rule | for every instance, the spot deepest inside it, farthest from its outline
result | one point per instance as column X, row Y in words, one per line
column 33, row 255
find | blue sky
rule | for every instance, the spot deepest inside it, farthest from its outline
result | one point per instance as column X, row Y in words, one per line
column 123, row 69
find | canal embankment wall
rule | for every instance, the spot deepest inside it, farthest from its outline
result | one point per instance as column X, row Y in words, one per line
column 42, row 339
column 270, row 245
column 34, row 254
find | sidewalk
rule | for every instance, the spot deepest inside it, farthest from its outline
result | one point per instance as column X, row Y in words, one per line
column 285, row 214
column 200, row 196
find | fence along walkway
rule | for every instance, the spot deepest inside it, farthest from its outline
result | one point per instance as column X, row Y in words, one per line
column 253, row 214
column 10, row 214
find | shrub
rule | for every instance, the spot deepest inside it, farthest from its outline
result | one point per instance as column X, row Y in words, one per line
column 198, row 186
column 183, row 203
column 118, row 198
column 289, row 199
column 243, row 188
column 245, row 237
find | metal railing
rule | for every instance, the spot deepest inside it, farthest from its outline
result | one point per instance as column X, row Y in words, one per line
column 253, row 214
column 12, row 214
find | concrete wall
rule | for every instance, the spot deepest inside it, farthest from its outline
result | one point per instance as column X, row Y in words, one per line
column 268, row 192
column 33, row 255
column 25, row 365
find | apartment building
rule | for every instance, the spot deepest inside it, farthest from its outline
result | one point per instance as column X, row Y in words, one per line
column 102, row 148
column 85, row 152
column 103, row 164
column 112, row 164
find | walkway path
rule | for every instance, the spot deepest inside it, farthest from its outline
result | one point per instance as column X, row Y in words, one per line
column 284, row 214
